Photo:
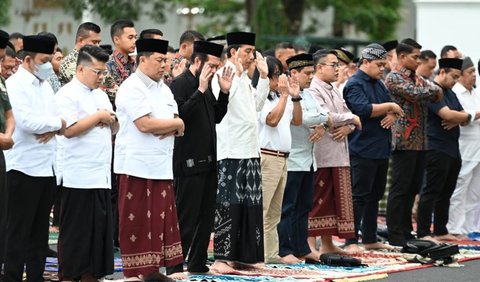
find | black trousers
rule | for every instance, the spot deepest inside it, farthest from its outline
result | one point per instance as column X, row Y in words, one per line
column 195, row 198
column 408, row 170
column 369, row 177
column 3, row 208
column 29, row 203
column 442, row 174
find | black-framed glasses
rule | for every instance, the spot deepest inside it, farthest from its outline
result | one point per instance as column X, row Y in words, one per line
column 97, row 72
column 333, row 65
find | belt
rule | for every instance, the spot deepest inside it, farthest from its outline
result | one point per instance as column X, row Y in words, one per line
column 274, row 153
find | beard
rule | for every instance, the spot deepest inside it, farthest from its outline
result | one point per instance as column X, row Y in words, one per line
column 199, row 70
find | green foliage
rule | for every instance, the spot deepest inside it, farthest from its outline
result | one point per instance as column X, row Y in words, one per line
column 4, row 12
column 377, row 18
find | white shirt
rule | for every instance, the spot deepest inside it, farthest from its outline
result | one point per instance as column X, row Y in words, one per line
column 302, row 156
column 143, row 154
column 276, row 138
column 469, row 134
column 237, row 136
column 86, row 159
column 35, row 112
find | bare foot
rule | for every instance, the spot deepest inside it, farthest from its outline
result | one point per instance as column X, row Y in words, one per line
column 354, row 248
column 157, row 276
column 312, row 256
column 331, row 249
column 289, row 259
column 462, row 237
column 377, row 246
column 178, row 276
column 222, row 267
column 134, row 278
column 430, row 238
column 446, row 238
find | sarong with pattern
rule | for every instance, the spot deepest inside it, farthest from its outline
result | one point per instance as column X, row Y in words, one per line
column 332, row 212
column 148, row 225
column 239, row 214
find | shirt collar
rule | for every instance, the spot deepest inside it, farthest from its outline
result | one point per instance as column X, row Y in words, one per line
column 80, row 84
column 365, row 76
column 29, row 77
column 406, row 71
column 147, row 80
column 317, row 82
column 459, row 88
column 122, row 58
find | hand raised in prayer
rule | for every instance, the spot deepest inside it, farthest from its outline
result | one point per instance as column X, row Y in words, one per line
column 340, row 133
column 225, row 80
column 317, row 133
column 178, row 68
column 45, row 137
column 293, row 86
column 205, row 76
column 388, row 120
column 283, row 86
column 6, row 142
column 238, row 62
column 261, row 64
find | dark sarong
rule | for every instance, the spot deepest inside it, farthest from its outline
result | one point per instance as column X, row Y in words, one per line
column 85, row 243
column 148, row 225
column 239, row 213
column 332, row 212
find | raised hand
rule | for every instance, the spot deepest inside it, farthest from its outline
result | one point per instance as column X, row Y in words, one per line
column 293, row 86
column 283, row 87
column 238, row 62
column 204, row 78
column 179, row 67
column 225, row 80
column 261, row 64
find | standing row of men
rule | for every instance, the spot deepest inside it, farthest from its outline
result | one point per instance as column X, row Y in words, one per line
column 168, row 132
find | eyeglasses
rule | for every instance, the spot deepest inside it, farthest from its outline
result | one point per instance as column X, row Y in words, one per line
column 97, row 72
column 333, row 65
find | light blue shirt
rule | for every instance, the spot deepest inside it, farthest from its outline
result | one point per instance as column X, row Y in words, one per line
column 301, row 156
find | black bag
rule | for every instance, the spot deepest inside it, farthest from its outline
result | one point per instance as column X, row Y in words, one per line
column 339, row 260
column 430, row 252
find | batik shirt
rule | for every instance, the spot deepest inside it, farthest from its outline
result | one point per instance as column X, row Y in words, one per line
column 412, row 93
column 68, row 67
column 119, row 68
column 4, row 104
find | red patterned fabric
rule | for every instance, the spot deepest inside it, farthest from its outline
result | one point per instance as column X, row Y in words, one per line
column 148, row 225
column 332, row 212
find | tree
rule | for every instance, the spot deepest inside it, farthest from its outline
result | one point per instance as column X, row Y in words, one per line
column 4, row 12
column 377, row 18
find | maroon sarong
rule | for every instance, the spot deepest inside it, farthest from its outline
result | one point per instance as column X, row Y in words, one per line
column 332, row 211
column 148, row 225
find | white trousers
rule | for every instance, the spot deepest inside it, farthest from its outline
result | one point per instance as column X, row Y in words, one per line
column 465, row 201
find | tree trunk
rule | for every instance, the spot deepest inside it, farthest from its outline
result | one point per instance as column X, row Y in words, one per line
column 337, row 24
column 250, row 6
column 293, row 10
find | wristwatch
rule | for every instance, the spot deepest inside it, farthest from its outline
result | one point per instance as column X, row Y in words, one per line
column 296, row 99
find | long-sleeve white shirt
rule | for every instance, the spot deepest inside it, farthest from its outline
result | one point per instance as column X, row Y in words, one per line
column 35, row 112
column 469, row 134
column 237, row 136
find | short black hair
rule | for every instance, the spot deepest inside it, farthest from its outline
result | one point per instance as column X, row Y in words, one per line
column 203, row 57
column 49, row 35
column 230, row 47
column 118, row 26
column 87, row 53
column 84, row 29
column 10, row 52
column 149, row 33
column 170, row 49
column 16, row 35
column 284, row 45
column 321, row 54
column 412, row 43
column 142, row 54
column 190, row 36
column 445, row 49
column 427, row 54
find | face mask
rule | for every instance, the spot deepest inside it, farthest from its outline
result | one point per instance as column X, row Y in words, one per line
column 44, row 71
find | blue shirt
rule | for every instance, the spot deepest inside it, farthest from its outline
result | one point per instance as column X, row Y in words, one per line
column 445, row 141
column 373, row 141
